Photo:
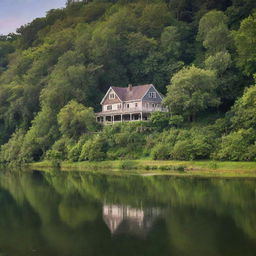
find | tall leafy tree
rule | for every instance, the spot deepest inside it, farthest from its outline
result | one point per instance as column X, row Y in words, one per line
column 192, row 90
column 75, row 119
column 245, row 40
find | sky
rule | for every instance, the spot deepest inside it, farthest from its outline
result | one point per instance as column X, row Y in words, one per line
column 14, row 13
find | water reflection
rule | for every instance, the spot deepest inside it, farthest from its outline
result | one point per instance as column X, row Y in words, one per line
column 122, row 219
column 63, row 214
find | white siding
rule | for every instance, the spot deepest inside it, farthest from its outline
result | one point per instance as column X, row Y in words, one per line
column 114, row 107
column 132, row 105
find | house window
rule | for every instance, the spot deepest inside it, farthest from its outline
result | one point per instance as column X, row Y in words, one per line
column 112, row 96
column 127, row 105
column 109, row 107
column 119, row 106
column 153, row 105
column 152, row 95
column 136, row 105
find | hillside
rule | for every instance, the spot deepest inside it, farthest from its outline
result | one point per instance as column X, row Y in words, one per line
column 55, row 70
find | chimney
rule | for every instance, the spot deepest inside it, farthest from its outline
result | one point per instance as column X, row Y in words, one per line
column 129, row 87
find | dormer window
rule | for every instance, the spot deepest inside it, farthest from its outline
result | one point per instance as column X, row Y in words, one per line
column 112, row 96
column 152, row 95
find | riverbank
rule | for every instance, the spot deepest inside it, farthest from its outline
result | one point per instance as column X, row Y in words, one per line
column 151, row 167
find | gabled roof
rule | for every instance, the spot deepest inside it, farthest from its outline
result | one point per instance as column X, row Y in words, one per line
column 131, row 93
column 136, row 92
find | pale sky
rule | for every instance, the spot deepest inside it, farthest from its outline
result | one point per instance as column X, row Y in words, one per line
column 14, row 13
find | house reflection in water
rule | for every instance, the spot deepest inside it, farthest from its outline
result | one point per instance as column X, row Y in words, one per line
column 122, row 219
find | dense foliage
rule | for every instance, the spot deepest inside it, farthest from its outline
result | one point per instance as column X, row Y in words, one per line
column 201, row 54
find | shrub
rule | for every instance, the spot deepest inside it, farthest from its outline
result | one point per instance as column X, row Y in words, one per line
column 213, row 165
column 58, row 150
column 160, row 120
column 183, row 150
column 94, row 149
column 237, row 146
column 160, row 152
column 10, row 152
column 128, row 165
column 74, row 152
column 56, row 164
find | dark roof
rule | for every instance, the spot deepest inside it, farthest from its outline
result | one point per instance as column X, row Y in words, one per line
column 135, row 93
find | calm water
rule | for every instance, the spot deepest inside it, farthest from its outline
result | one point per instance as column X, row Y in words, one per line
column 61, row 214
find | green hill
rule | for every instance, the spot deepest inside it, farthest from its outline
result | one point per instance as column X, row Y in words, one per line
column 55, row 69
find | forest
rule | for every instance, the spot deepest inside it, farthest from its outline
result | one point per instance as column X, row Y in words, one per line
column 200, row 54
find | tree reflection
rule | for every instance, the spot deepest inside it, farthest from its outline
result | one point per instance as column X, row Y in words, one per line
column 72, row 213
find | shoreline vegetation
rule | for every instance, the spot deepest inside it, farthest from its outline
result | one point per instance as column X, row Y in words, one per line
column 153, row 167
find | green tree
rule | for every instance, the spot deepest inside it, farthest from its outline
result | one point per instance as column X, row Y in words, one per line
column 245, row 39
column 213, row 31
column 244, row 110
column 192, row 90
column 219, row 62
column 239, row 145
column 75, row 119
column 160, row 120
column 41, row 136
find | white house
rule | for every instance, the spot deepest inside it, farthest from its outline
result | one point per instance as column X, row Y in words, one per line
column 130, row 103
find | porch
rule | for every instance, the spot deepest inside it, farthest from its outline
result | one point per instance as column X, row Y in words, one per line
column 107, row 118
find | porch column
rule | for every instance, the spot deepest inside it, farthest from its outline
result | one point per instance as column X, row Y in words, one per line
column 121, row 117
column 141, row 116
column 104, row 119
column 130, row 117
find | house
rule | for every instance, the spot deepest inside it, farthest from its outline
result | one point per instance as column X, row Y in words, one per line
column 132, row 103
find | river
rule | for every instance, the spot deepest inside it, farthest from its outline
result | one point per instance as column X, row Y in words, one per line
column 90, row 214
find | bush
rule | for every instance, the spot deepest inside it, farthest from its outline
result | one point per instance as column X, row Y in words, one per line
column 160, row 152
column 56, row 164
column 160, row 120
column 237, row 146
column 58, row 150
column 74, row 152
column 94, row 149
column 213, row 165
column 183, row 150
column 128, row 165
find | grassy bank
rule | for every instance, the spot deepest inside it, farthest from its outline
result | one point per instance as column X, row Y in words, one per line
column 151, row 167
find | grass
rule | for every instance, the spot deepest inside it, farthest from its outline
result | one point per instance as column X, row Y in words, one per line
column 154, row 167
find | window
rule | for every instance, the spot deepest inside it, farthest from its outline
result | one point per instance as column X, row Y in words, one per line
column 136, row 105
column 152, row 95
column 112, row 95
column 127, row 105
column 119, row 106
column 109, row 107
column 153, row 105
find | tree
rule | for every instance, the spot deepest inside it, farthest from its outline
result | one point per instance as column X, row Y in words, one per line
column 213, row 31
column 244, row 110
column 151, row 22
column 218, row 62
column 245, row 40
column 40, row 137
column 239, row 145
column 75, row 119
column 192, row 90
column 160, row 120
